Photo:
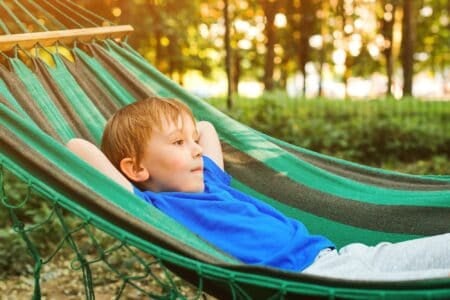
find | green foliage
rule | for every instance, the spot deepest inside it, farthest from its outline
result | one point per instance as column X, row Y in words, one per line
column 375, row 132
column 14, row 257
column 23, row 207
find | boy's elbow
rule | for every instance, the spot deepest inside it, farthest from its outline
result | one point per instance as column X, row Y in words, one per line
column 74, row 144
column 80, row 146
column 206, row 126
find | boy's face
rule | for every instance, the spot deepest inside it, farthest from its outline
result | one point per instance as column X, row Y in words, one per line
column 173, row 157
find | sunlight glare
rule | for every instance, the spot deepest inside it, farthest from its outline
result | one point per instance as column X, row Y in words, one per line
column 373, row 50
column 280, row 20
column 241, row 25
column 116, row 12
column 426, row 11
column 354, row 45
column 316, row 41
column 339, row 56
column 203, row 30
column 348, row 28
column 164, row 41
column 245, row 44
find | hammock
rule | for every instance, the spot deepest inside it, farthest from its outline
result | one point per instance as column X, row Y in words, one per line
column 43, row 105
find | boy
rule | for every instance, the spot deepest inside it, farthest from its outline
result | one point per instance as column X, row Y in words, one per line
column 176, row 164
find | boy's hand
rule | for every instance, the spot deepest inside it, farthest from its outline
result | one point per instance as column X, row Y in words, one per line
column 209, row 140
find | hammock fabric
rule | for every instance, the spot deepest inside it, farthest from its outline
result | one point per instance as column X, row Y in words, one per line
column 42, row 106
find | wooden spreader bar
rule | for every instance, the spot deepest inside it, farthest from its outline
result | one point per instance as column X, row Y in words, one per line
column 48, row 38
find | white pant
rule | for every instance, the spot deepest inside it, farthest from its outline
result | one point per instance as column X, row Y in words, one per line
column 423, row 258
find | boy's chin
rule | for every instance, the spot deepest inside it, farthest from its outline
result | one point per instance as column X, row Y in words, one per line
column 199, row 189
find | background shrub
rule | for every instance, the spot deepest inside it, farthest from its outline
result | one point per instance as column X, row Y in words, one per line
column 405, row 135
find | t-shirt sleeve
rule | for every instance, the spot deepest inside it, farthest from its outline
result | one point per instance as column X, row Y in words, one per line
column 213, row 172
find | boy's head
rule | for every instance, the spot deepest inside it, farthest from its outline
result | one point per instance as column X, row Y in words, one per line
column 141, row 137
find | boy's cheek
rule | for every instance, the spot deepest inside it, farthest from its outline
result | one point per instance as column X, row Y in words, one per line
column 169, row 160
column 176, row 164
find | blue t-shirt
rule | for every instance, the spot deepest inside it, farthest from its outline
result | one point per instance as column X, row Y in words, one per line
column 239, row 224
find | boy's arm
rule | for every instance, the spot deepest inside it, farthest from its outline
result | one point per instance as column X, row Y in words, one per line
column 210, row 143
column 95, row 157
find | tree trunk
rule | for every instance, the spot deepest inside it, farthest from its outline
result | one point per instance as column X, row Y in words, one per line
column 306, row 24
column 321, row 62
column 325, row 6
column 235, row 71
column 407, row 46
column 269, row 7
column 387, row 31
column 228, row 55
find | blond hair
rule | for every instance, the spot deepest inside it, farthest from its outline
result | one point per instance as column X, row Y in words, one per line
column 130, row 128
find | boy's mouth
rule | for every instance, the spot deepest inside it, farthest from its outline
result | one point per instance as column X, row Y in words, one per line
column 197, row 169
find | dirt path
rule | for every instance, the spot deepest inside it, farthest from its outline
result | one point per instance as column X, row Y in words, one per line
column 59, row 281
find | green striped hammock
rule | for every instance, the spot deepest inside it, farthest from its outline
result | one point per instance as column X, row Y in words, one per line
column 42, row 107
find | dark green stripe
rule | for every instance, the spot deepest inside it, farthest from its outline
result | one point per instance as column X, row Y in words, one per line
column 99, row 96
column 418, row 220
column 24, row 99
column 60, row 101
column 366, row 174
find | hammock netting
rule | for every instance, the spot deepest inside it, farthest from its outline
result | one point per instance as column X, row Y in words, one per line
column 45, row 102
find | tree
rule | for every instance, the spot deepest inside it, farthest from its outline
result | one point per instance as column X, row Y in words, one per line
column 228, row 55
column 433, row 37
column 158, row 36
column 407, row 45
column 324, row 35
column 270, row 8
column 178, row 36
column 303, row 23
column 387, row 30
column 306, row 26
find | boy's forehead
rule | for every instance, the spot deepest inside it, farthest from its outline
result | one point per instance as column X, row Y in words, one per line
column 178, row 121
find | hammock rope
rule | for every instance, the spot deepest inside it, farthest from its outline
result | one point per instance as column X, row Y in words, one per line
column 50, row 17
column 30, row 15
column 94, row 257
column 3, row 27
column 78, row 24
column 93, row 16
column 67, row 17
column 17, row 21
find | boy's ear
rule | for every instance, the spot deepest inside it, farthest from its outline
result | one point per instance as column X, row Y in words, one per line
column 134, row 172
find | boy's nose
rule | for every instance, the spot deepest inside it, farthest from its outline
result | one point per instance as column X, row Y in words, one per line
column 196, row 150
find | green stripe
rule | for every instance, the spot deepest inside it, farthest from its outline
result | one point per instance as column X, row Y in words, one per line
column 352, row 164
column 43, row 100
column 341, row 234
column 10, row 98
column 119, row 93
column 85, row 109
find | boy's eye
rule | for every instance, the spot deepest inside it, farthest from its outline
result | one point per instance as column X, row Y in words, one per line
column 178, row 142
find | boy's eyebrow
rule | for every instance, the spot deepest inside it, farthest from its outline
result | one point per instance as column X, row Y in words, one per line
column 174, row 133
